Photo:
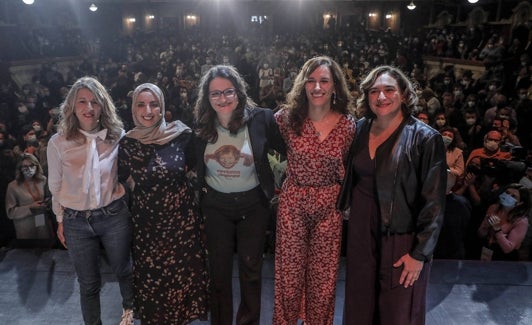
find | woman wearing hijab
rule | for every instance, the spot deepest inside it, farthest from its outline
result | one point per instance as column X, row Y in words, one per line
column 170, row 276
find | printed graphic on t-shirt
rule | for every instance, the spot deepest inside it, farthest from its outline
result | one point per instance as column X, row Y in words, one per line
column 227, row 157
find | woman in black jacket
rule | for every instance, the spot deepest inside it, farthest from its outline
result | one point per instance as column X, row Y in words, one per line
column 395, row 186
column 236, row 184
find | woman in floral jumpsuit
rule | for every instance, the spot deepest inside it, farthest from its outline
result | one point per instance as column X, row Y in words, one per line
column 318, row 131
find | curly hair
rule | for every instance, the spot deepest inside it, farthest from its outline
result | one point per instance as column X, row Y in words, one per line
column 205, row 115
column 406, row 88
column 109, row 119
column 297, row 101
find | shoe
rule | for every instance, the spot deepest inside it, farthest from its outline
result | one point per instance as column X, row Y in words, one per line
column 127, row 317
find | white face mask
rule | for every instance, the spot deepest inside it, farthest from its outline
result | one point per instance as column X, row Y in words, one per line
column 23, row 109
column 471, row 121
column 32, row 138
column 447, row 140
column 491, row 145
column 29, row 172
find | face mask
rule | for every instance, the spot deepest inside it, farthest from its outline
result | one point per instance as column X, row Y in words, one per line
column 22, row 109
column 440, row 122
column 470, row 121
column 446, row 82
column 29, row 172
column 36, row 128
column 31, row 138
column 507, row 200
column 504, row 116
column 457, row 93
column 447, row 140
column 522, row 96
column 470, row 103
column 491, row 145
column 492, row 87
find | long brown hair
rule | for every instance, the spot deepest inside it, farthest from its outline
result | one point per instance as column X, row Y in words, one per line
column 205, row 115
column 297, row 101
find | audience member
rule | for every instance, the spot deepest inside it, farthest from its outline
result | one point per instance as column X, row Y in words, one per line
column 451, row 242
column 27, row 201
column 491, row 148
column 506, row 223
column 454, row 155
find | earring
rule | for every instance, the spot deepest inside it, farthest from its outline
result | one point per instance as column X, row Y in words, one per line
column 334, row 98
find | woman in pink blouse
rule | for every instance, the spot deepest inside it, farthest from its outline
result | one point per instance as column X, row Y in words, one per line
column 505, row 225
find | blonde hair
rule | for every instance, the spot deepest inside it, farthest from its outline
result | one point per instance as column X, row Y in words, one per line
column 39, row 174
column 109, row 119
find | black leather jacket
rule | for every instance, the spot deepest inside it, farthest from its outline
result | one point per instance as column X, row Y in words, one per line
column 264, row 135
column 411, row 177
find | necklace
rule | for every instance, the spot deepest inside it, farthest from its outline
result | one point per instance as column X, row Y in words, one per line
column 324, row 125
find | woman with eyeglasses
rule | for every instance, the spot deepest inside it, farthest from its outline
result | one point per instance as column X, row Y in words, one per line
column 506, row 223
column 26, row 199
column 236, row 184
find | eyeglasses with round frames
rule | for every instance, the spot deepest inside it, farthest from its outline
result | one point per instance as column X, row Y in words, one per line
column 227, row 93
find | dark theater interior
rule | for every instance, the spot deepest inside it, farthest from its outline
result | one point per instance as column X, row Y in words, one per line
column 470, row 62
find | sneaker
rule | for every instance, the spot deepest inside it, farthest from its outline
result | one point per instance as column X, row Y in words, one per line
column 127, row 317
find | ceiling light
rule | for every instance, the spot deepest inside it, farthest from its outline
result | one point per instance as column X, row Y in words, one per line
column 472, row 1
column 28, row 2
column 93, row 7
column 411, row 5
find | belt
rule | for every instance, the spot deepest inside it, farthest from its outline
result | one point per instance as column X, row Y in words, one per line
column 102, row 210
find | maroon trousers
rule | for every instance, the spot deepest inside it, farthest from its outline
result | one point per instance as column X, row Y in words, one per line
column 373, row 294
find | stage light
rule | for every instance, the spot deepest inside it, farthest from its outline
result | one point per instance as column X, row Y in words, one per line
column 411, row 5
column 28, row 2
column 472, row 1
column 93, row 7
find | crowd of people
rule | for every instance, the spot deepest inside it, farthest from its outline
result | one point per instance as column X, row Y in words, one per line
column 175, row 136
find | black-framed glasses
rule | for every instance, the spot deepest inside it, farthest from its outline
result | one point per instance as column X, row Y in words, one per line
column 217, row 94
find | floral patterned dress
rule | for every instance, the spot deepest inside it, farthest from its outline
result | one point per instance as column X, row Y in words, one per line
column 169, row 256
column 309, row 227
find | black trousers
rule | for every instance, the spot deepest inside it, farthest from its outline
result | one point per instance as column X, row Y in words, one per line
column 235, row 221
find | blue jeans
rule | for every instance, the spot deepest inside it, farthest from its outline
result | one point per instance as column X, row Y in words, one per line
column 84, row 232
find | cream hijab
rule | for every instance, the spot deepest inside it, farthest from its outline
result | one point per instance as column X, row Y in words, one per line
column 159, row 133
